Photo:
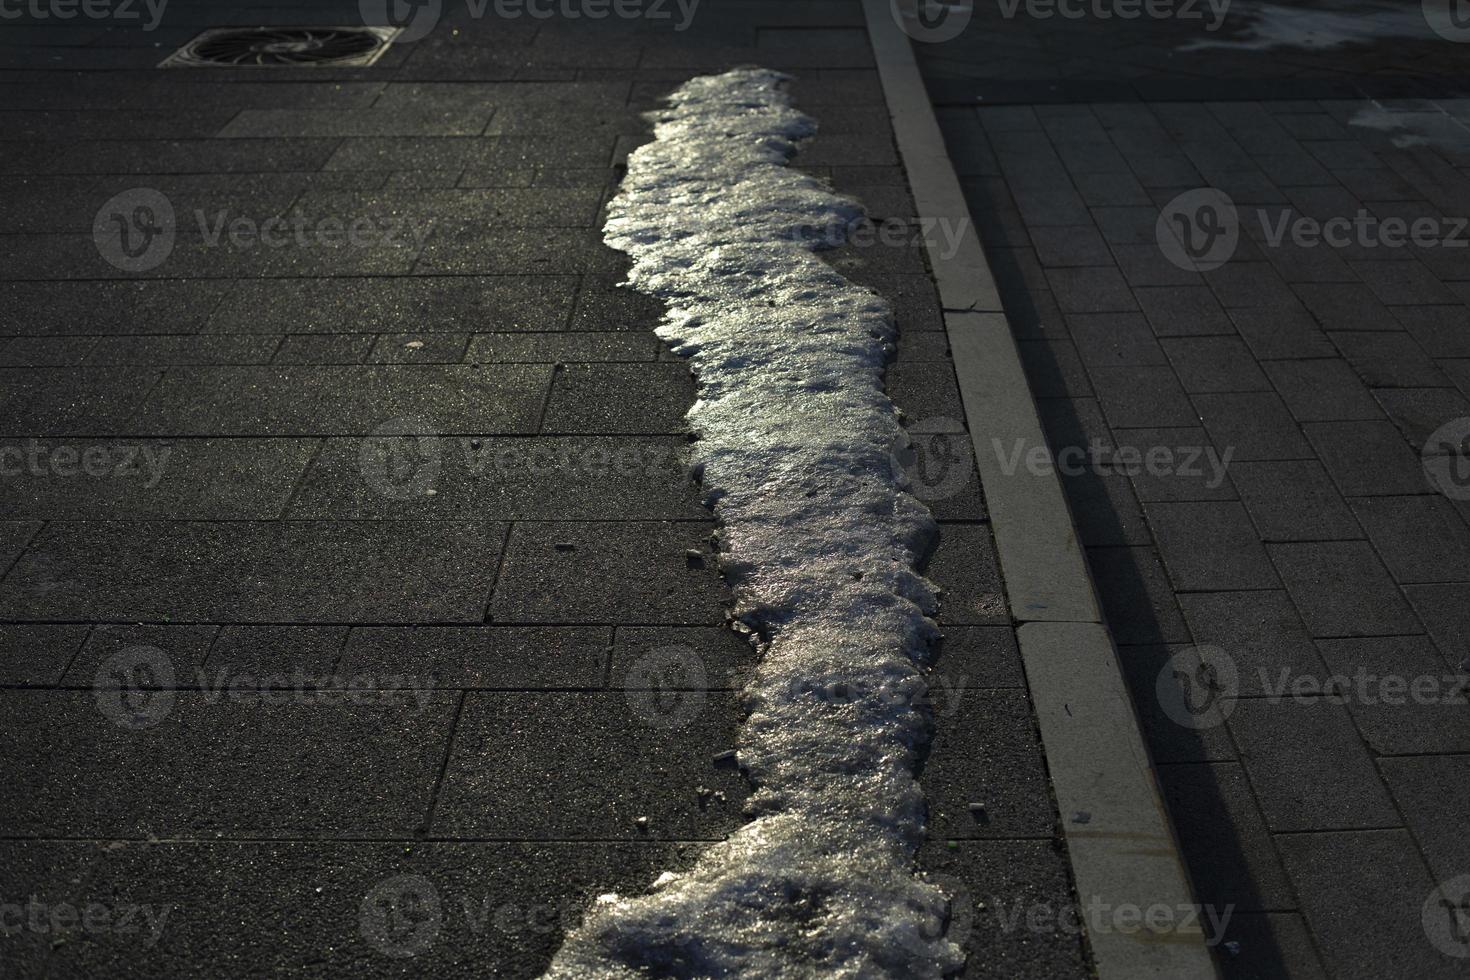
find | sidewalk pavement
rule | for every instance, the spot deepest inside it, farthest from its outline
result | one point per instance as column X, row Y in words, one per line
column 342, row 585
column 1257, row 399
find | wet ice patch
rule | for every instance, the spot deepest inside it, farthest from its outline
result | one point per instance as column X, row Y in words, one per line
column 1314, row 29
column 819, row 542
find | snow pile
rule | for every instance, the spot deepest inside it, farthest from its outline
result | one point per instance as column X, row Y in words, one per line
column 819, row 541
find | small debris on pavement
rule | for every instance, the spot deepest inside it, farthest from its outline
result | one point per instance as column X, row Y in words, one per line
column 694, row 558
column 413, row 345
column 565, row 546
column 642, row 823
column 726, row 757
column 1082, row 816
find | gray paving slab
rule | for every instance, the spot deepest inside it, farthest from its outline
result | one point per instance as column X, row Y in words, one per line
column 494, row 784
column 237, row 764
column 38, row 655
column 255, row 572
column 1308, row 768
column 135, row 479
column 1380, row 877
column 576, row 573
column 341, row 400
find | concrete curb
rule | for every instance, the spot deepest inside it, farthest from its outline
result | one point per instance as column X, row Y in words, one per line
column 1125, row 858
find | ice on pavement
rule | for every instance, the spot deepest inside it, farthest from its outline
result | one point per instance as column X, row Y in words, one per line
column 819, row 541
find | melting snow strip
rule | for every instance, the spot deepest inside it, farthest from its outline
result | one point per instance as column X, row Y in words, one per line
column 819, row 541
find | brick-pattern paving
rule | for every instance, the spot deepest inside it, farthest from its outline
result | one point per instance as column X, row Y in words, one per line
column 1324, row 547
column 491, row 590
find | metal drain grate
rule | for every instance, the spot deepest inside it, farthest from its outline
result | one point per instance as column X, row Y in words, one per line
column 283, row 47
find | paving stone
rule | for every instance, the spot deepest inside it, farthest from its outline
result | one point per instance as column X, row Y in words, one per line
column 1136, row 596
column 431, row 121
column 1275, row 333
column 1249, row 284
column 1405, row 698
column 274, row 656
column 1445, row 610
column 1442, row 832
column 536, row 478
column 1079, row 245
column 1224, row 838
column 566, row 348
column 45, row 351
column 182, row 156
column 723, row 658
column 924, row 391
column 1169, row 741
column 185, row 646
column 1322, row 391
column 255, row 572
column 499, row 657
column 1115, row 339
column 985, row 749
column 1342, row 589
column 591, row 149
column 1214, row 364
column 623, row 398
column 1388, row 360
column 1105, row 510
column 432, row 348
column 1209, row 546
column 494, row 784
column 1170, row 464
column 1362, row 895
column 168, row 350
column 576, row 573
column 1342, row 306
column 1421, row 538
column 1293, row 500
column 501, row 903
column 1091, row 290
column 1403, row 283
column 1260, row 632
column 131, row 479
column 965, row 567
column 1256, row 426
column 1183, row 311
column 1367, row 458
column 231, row 763
column 971, row 657
column 336, row 400
column 1309, row 768
column 1140, row 397
column 466, row 249
column 1269, row 944
column 1419, row 412
column 324, row 348
column 1053, row 368
column 1443, row 331
column 995, row 884
column 37, row 655
column 419, row 304
column 66, row 401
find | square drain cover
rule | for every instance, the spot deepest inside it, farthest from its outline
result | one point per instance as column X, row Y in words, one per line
column 283, row 47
